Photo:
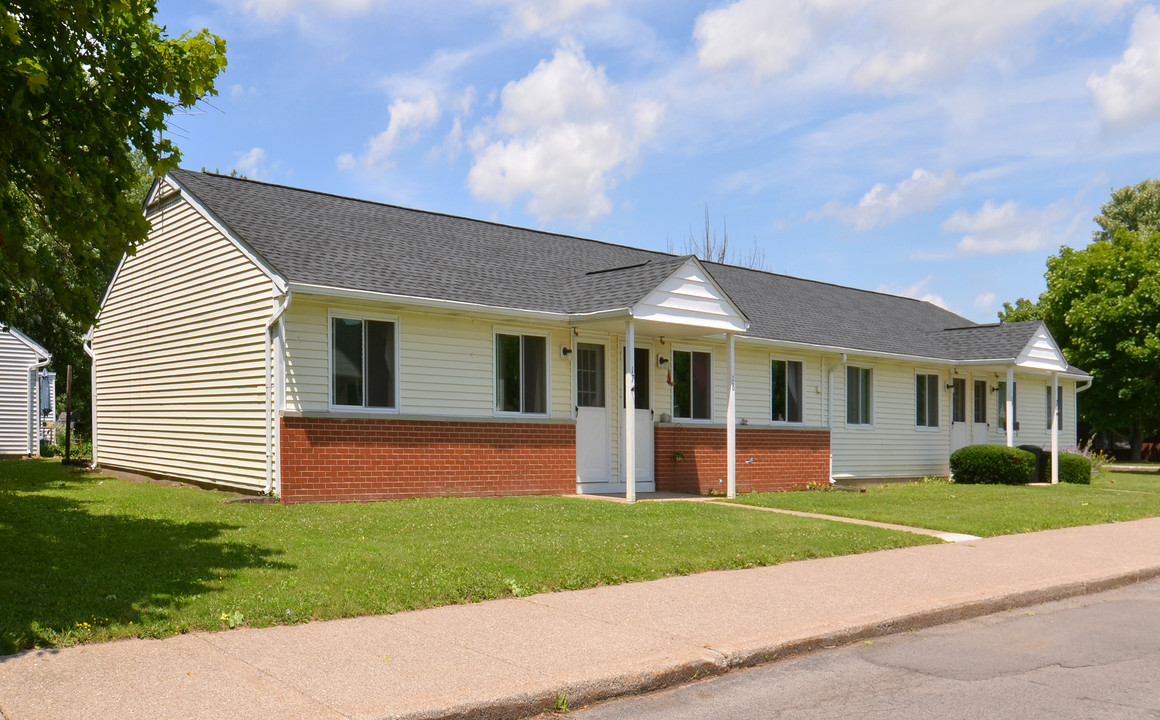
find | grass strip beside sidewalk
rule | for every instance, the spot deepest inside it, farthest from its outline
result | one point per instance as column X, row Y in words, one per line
column 983, row 510
column 87, row 557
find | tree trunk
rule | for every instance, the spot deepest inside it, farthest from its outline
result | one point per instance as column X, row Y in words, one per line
column 1137, row 440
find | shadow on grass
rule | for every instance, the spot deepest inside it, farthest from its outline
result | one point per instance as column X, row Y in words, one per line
column 66, row 571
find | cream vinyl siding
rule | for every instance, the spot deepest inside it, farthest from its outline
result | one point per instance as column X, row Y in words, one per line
column 180, row 349
column 1031, row 412
column 892, row 447
column 446, row 362
column 15, row 357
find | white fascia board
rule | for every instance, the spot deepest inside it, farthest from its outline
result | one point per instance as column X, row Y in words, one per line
column 839, row 350
column 220, row 226
column 459, row 305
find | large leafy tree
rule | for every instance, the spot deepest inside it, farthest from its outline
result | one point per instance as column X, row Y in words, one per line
column 84, row 83
column 1102, row 304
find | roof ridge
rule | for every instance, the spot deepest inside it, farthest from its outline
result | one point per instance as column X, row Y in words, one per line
column 437, row 213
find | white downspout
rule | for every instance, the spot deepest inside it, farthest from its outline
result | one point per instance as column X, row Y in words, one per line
column 278, row 310
column 34, row 406
column 830, row 413
column 87, row 345
column 1076, row 390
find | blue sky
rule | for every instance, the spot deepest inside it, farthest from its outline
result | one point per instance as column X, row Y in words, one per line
column 938, row 149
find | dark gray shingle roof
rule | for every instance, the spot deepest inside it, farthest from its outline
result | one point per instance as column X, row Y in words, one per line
column 319, row 239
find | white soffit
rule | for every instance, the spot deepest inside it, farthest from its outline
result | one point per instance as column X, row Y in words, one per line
column 1042, row 353
column 690, row 297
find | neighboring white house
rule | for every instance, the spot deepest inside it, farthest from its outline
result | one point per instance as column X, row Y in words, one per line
column 328, row 348
column 21, row 360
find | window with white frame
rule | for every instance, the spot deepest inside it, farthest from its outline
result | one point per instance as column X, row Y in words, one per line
column 1058, row 406
column 363, row 363
column 521, row 373
column 859, row 395
column 926, row 400
column 786, row 376
column 980, row 409
column 692, row 379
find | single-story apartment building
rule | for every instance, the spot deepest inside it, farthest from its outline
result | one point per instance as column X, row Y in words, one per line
column 275, row 339
column 21, row 360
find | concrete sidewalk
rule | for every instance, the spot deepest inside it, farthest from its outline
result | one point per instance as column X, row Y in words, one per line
column 509, row 658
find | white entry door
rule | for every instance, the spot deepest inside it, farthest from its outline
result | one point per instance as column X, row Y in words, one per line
column 960, row 429
column 979, row 426
column 641, row 421
column 593, row 440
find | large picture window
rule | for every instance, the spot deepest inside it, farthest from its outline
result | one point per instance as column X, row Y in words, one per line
column 362, row 362
column 786, row 376
column 521, row 374
column 692, row 378
column 859, row 395
column 926, row 400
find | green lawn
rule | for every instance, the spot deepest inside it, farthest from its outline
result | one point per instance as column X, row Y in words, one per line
column 88, row 557
column 983, row 510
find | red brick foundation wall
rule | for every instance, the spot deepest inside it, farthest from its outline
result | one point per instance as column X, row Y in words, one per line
column 782, row 459
column 329, row 459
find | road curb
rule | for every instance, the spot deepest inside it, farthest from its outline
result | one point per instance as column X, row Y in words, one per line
column 586, row 693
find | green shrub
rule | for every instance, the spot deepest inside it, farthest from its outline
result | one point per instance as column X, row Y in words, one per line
column 1075, row 469
column 993, row 464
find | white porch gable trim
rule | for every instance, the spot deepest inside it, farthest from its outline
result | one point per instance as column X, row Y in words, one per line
column 691, row 297
column 1042, row 353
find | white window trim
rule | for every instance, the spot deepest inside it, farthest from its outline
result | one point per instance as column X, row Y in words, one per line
column 498, row 330
column 873, row 397
column 712, row 379
column 590, row 339
column 914, row 404
column 341, row 313
column 769, row 365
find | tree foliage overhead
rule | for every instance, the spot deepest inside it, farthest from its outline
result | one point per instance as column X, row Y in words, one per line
column 1102, row 305
column 83, row 84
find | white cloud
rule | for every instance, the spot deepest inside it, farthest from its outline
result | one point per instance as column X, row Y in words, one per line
column 249, row 163
column 1010, row 227
column 561, row 136
column 884, row 204
column 278, row 9
column 1129, row 95
column 408, row 119
column 919, row 291
column 536, row 15
column 767, row 37
column 887, row 44
column 985, row 301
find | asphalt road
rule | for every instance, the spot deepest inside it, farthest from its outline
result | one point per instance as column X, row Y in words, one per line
column 1096, row 656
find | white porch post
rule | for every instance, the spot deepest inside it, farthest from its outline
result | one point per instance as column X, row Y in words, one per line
column 1054, row 428
column 630, row 411
column 731, row 423
column 1010, row 407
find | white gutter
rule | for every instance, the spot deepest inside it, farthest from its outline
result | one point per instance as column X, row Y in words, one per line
column 275, row 317
column 307, row 289
column 87, row 345
column 830, row 418
column 33, row 406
